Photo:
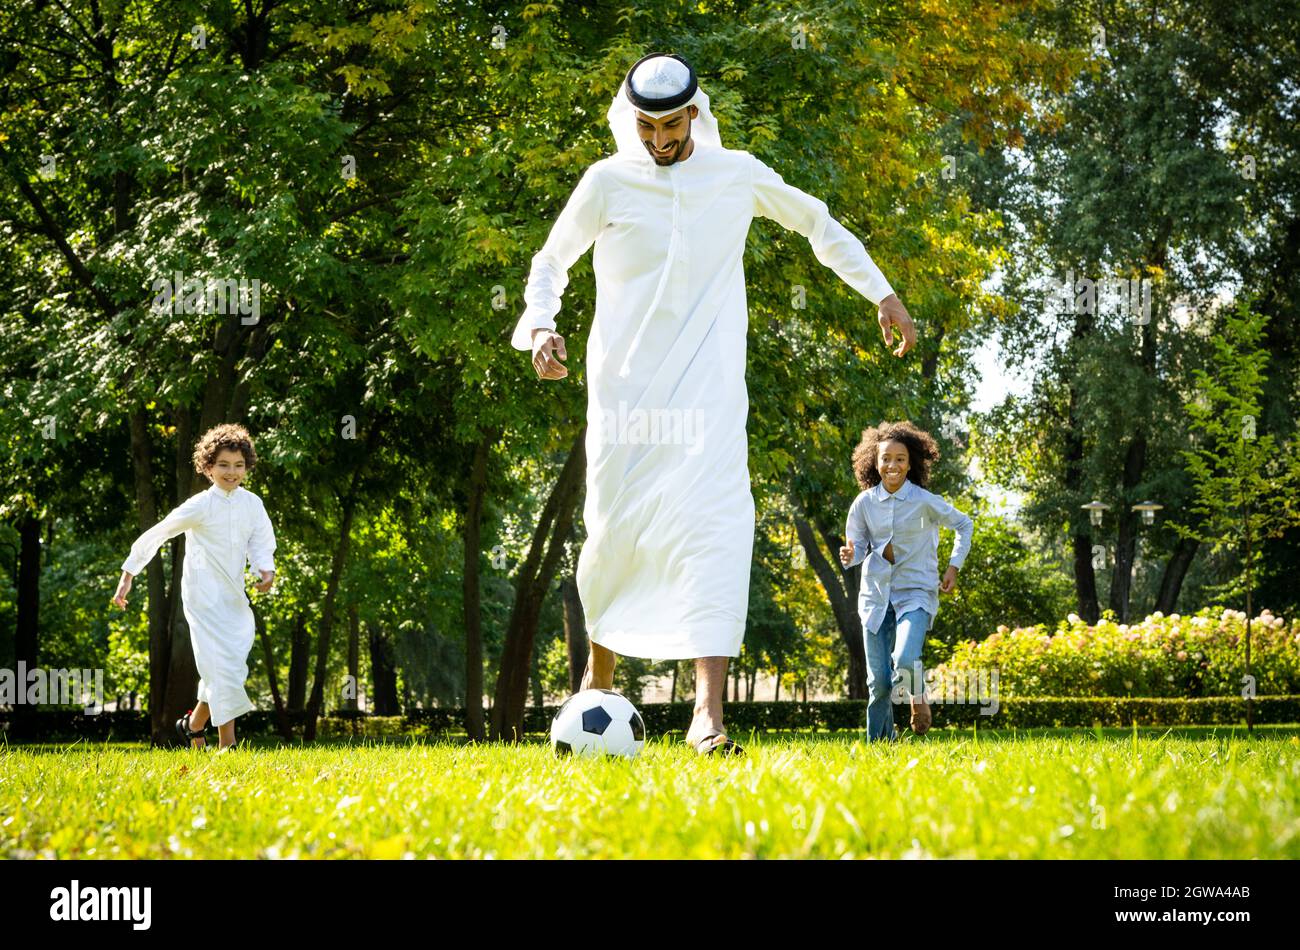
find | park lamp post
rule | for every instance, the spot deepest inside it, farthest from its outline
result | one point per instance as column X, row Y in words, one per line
column 1095, row 509
column 1148, row 509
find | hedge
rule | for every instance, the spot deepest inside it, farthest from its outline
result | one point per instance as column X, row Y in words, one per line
column 1019, row 712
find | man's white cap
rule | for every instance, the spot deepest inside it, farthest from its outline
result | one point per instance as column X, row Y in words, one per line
column 658, row 85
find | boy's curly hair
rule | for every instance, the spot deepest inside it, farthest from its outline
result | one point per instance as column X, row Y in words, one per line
column 218, row 438
column 922, row 451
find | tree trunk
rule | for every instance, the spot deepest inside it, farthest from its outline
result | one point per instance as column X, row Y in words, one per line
column 1085, row 579
column 1171, row 582
column 843, row 605
column 29, row 592
column 159, row 605
column 299, row 656
column 316, row 702
column 536, row 679
column 1135, row 459
column 282, row 724
column 471, row 599
column 324, row 635
column 531, row 585
column 383, row 674
column 575, row 634
column 672, row 696
column 27, row 622
column 1121, row 583
column 354, row 659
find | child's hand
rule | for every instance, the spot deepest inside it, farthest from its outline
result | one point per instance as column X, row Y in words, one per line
column 949, row 580
column 123, row 588
column 268, row 578
column 846, row 554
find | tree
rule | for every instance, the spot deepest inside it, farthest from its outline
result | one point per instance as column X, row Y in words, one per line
column 1244, row 480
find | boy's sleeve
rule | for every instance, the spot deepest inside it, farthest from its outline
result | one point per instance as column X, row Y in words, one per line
column 834, row 245
column 959, row 522
column 261, row 546
column 188, row 514
column 573, row 232
column 856, row 530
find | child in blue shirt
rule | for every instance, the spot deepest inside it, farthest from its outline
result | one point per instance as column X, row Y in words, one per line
column 893, row 531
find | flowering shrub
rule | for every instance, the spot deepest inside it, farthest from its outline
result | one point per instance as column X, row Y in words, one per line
column 1202, row 655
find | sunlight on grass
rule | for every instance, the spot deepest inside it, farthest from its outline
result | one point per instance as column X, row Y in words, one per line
column 1079, row 794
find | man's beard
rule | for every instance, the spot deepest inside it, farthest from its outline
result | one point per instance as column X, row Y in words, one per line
column 681, row 147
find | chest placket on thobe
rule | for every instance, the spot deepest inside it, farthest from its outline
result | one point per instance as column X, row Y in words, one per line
column 676, row 258
column 233, row 553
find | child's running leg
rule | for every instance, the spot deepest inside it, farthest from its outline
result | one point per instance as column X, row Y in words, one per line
column 880, row 710
column 199, row 720
column 909, row 641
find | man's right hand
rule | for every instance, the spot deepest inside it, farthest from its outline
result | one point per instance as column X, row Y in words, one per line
column 123, row 588
column 548, row 350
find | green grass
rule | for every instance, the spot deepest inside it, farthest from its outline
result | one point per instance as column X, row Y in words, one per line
column 1189, row 793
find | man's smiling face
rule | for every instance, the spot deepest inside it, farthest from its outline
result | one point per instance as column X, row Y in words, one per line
column 667, row 138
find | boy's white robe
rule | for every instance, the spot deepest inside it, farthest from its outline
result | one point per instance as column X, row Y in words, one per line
column 223, row 531
column 664, row 571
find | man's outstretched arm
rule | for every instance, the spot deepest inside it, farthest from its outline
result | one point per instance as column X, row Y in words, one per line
column 835, row 246
column 574, row 231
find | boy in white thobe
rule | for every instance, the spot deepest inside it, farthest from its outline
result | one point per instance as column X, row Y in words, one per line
column 224, row 527
column 664, row 571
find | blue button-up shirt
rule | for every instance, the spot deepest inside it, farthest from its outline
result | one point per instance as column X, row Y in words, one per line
column 910, row 519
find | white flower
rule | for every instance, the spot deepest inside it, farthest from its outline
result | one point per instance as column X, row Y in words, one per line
column 1073, row 618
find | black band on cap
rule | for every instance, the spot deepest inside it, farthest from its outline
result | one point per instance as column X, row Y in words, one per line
column 646, row 104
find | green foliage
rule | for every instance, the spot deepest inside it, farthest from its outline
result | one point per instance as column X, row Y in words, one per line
column 1245, row 481
column 1172, row 656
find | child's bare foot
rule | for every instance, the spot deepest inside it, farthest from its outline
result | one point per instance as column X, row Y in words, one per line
column 921, row 718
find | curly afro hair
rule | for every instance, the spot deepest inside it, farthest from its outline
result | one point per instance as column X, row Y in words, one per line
column 922, row 452
column 218, row 438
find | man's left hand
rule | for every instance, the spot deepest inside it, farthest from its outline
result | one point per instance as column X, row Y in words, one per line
column 894, row 314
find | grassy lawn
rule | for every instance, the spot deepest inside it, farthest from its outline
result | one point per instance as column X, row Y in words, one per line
column 1206, row 792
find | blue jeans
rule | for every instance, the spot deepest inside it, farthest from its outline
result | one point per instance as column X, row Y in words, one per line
column 893, row 660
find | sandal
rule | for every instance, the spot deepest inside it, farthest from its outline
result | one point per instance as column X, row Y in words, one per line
column 183, row 730
column 726, row 747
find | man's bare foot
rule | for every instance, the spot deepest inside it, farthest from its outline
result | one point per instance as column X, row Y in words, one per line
column 599, row 673
column 706, row 735
column 702, row 725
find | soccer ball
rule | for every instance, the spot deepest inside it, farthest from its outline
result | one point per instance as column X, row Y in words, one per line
column 598, row 722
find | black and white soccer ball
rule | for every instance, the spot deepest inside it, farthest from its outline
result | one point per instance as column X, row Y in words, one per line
column 598, row 722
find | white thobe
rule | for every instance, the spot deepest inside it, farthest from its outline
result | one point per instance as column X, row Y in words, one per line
column 223, row 531
column 664, row 572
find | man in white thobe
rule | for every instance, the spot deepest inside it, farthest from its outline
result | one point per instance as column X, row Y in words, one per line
column 664, row 572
